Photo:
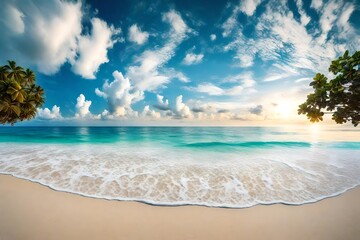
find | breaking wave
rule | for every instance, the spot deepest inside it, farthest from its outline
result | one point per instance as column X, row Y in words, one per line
column 270, row 172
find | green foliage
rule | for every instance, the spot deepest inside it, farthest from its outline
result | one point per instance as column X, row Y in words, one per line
column 339, row 96
column 19, row 96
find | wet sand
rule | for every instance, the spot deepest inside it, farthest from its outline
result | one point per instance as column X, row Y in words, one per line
column 32, row 211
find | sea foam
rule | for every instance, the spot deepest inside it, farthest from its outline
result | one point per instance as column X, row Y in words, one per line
column 165, row 175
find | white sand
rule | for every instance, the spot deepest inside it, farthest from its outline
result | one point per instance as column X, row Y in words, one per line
column 32, row 211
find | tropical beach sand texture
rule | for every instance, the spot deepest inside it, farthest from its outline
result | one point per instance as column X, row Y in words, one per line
column 32, row 211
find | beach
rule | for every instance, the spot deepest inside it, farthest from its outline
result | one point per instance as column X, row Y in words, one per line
column 32, row 211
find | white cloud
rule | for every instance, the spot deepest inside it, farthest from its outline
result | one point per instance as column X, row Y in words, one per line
column 249, row 6
column 161, row 101
column 304, row 18
column 281, row 38
column 212, row 37
column 162, row 104
column 242, row 81
column 47, row 114
column 346, row 13
column 328, row 16
column 147, row 112
column 209, row 89
column 137, row 36
column 148, row 74
column 120, row 95
column 92, row 49
column 271, row 106
column 286, row 68
column 192, row 58
column 229, row 25
column 246, row 60
column 47, row 35
column 306, row 79
column 13, row 19
column 246, row 49
column 276, row 76
column 224, row 111
column 244, row 78
column 177, row 23
column 234, row 91
column 171, row 73
column 82, row 107
column 214, row 90
column 203, row 108
column 181, row 109
column 316, row 4
column 346, row 30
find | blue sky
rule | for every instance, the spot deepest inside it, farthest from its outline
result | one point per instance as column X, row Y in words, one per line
column 176, row 62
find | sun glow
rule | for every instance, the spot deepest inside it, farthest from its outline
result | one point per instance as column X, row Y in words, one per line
column 315, row 130
column 285, row 110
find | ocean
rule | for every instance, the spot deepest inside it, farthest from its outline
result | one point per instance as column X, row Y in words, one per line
column 234, row 167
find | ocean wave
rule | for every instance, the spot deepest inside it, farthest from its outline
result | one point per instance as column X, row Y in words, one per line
column 168, row 176
column 252, row 144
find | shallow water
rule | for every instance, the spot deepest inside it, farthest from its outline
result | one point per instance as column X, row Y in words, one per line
column 223, row 167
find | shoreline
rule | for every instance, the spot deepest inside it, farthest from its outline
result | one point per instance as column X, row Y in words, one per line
column 29, row 210
column 182, row 204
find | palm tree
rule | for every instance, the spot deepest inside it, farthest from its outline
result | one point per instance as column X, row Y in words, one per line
column 3, row 72
column 15, row 72
column 29, row 76
column 19, row 95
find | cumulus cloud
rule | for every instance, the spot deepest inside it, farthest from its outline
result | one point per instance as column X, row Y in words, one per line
column 147, row 73
column 82, row 107
column 48, row 37
column 120, row 95
column 45, row 36
column 316, row 4
column 249, row 6
column 93, row 49
column 181, row 109
column 137, row 36
column 161, row 103
column 47, row 114
column 212, row 37
column 192, row 58
column 147, row 112
column 199, row 107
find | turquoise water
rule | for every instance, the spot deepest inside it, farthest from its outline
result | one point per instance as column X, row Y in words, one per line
column 213, row 166
column 187, row 137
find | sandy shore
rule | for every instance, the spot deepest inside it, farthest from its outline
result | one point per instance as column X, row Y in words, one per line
column 32, row 211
